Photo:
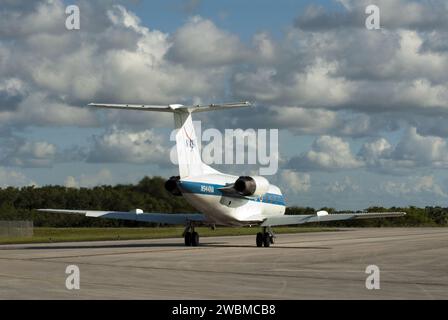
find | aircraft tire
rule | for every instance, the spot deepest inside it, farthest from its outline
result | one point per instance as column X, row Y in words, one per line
column 266, row 240
column 187, row 239
column 195, row 239
column 259, row 239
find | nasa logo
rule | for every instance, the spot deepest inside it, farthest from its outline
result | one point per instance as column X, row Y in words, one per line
column 190, row 143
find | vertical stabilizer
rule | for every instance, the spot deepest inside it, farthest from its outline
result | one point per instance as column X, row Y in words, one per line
column 188, row 153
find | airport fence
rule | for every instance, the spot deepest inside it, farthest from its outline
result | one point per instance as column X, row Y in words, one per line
column 16, row 229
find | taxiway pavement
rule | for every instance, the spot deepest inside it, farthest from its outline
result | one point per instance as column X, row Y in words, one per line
column 413, row 264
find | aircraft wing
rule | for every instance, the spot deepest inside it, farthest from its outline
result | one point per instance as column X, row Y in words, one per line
column 301, row 219
column 168, row 218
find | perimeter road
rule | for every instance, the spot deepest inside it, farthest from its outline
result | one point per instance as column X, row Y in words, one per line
column 328, row 265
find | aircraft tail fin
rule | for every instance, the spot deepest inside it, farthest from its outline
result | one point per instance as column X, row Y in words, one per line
column 188, row 153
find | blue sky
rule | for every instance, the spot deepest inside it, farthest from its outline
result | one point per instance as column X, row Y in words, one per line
column 239, row 17
column 361, row 113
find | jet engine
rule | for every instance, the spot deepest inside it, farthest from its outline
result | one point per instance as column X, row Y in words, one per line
column 252, row 186
column 171, row 186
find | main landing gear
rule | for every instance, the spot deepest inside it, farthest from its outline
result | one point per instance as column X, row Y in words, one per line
column 191, row 237
column 265, row 238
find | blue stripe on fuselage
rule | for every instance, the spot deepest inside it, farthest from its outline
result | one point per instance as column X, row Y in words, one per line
column 213, row 189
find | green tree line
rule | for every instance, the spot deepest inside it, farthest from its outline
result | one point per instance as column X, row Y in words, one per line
column 150, row 195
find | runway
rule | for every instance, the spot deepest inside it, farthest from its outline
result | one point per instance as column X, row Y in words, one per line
column 413, row 264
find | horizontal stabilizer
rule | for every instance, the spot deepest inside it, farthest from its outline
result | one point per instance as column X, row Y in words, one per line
column 172, row 107
column 212, row 107
column 141, row 107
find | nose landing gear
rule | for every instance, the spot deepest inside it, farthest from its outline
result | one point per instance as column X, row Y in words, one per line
column 265, row 238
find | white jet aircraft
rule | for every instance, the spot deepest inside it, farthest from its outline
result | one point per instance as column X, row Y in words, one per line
column 221, row 199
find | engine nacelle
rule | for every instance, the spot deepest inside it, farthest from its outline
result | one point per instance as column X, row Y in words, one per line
column 252, row 186
column 171, row 186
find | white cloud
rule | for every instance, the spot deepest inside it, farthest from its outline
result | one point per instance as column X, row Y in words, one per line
column 295, row 182
column 113, row 58
column 71, row 182
column 38, row 110
column 420, row 186
column 303, row 120
column 116, row 58
column 12, row 178
column 422, row 150
column 412, row 151
column 102, row 177
column 129, row 147
column 12, row 91
column 346, row 185
column 376, row 153
column 395, row 14
column 265, row 47
column 327, row 153
column 201, row 43
column 30, row 154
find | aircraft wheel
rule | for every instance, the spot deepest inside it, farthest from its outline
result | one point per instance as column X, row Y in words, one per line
column 195, row 239
column 187, row 238
column 266, row 240
column 259, row 239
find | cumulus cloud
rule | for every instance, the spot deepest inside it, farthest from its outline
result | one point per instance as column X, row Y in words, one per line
column 31, row 154
column 345, row 185
column 422, row 150
column 201, row 43
column 412, row 151
column 40, row 110
column 327, row 153
column 387, row 74
column 420, row 15
column 14, row 178
column 115, row 57
column 120, row 146
column 102, row 177
column 70, row 182
column 12, row 92
column 295, row 182
column 424, row 185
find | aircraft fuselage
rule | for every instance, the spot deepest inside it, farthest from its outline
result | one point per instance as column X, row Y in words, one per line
column 203, row 193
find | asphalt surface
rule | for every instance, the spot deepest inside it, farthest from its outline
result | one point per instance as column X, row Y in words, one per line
column 413, row 264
